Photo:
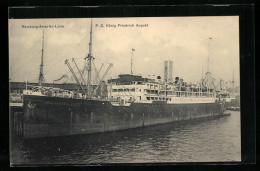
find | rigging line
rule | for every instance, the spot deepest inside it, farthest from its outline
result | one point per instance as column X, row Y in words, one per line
column 73, row 73
column 36, row 52
column 36, row 77
column 49, row 67
column 108, row 74
column 212, row 82
column 79, row 58
column 69, row 71
column 59, row 54
column 55, row 63
column 81, row 48
column 68, row 49
column 84, row 68
column 102, row 61
column 65, row 73
column 84, row 65
column 50, row 70
column 79, row 71
column 35, row 80
column 96, row 71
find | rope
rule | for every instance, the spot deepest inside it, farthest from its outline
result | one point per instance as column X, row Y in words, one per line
column 63, row 55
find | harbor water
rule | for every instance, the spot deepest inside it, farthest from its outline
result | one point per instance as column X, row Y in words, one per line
column 216, row 140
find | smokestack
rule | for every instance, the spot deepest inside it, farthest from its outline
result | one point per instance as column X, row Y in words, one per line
column 168, row 66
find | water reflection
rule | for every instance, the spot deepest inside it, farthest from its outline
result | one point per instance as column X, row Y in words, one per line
column 214, row 140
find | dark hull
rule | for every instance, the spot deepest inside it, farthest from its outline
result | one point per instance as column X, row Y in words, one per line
column 16, row 118
column 233, row 103
column 53, row 116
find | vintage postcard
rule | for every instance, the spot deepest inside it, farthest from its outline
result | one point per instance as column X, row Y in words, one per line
column 124, row 90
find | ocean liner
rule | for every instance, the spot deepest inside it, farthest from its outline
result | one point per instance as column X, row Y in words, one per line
column 130, row 101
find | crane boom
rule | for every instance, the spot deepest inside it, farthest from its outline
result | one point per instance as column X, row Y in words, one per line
column 98, row 78
column 79, row 71
column 110, row 65
column 100, row 68
column 74, row 75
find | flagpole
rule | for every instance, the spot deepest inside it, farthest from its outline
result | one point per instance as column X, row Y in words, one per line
column 132, row 62
column 208, row 52
column 132, row 52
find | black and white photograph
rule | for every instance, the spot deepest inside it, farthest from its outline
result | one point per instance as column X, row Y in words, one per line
column 88, row 91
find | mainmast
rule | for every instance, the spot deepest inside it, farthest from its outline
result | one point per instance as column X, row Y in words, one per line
column 41, row 78
column 89, row 57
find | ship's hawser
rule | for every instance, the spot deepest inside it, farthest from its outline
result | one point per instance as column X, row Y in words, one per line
column 131, row 102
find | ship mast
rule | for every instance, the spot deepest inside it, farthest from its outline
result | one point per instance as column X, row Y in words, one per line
column 233, row 82
column 89, row 57
column 208, row 76
column 41, row 78
column 201, row 81
column 208, row 53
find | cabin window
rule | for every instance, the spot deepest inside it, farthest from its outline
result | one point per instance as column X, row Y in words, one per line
column 148, row 98
column 152, row 98
column 120, row 90
column 132, row 89
column 114, row 90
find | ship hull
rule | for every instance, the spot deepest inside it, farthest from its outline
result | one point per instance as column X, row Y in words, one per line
column 53, row 116
column 234, row 102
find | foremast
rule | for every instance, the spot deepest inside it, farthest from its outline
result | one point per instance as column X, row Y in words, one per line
column 90, row 58
column 41, row 78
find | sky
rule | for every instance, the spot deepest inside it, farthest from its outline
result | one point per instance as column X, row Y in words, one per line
column 184, row 40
